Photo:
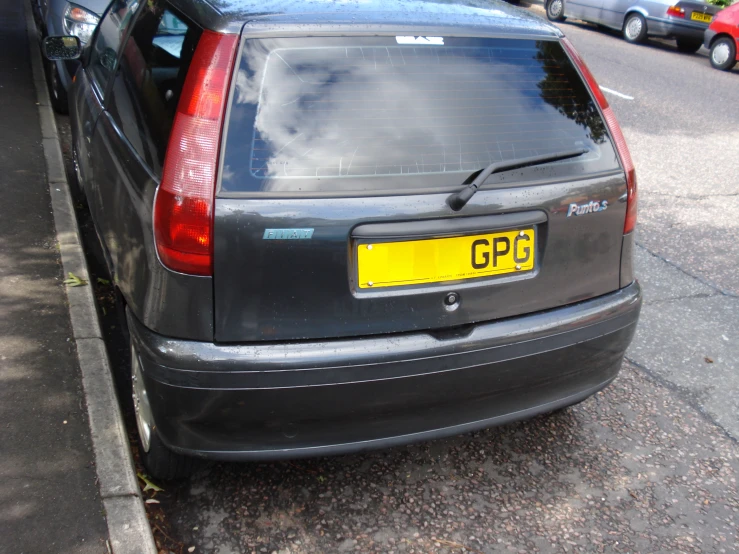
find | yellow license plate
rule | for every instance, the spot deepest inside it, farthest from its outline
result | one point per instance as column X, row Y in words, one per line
column 697, row 16
column 415, row 262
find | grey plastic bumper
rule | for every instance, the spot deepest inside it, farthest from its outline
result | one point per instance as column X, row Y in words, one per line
column 708, row 38
column 288, row 400
column 675, row 29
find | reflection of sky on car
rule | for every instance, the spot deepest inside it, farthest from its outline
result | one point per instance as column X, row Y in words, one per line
column 170, row 34
column 350, row 112
column 170, row 24
column 172, row 44
column 482, row 7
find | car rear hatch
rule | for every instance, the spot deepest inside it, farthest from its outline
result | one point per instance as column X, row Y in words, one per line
column 695, row 12
column 340, row 155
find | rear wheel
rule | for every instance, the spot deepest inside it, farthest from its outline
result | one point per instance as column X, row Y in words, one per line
column 723, row 54
column 57, row 92
column 160, row 462
column 688, row 46
column 555, row 10
column 635, row 28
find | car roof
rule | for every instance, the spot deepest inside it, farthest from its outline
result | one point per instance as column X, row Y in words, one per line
column 453, row 17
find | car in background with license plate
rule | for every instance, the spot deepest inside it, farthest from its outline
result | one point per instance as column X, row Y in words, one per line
column 685, row 20
column 338, row 228
column 722, row 38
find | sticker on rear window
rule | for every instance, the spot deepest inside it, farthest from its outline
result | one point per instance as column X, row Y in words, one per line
column 419, row 41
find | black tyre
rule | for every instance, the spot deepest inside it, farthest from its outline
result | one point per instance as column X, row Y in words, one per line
column 555, row 10
column 160, row 462
column 57, row 92
column 723, row 53
column 635, row 28
column 688, row 46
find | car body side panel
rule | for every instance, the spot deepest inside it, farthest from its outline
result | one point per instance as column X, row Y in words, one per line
column 726, row 23
column 169, row 303
column 85, row 107
column 614, row 12
column 587, row 10
column 573, row 10
column 120, row 192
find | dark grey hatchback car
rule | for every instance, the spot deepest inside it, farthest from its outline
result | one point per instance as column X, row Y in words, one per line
column 352, row 225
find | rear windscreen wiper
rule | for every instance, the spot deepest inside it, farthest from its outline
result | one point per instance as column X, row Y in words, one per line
column 458, row 200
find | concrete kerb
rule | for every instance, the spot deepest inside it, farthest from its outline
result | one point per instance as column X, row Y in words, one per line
column 128, row 527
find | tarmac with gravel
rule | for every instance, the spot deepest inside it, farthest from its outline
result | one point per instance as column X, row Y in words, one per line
column 633, row 469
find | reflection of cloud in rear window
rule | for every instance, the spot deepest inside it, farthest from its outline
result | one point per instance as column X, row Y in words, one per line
column 170, row 24
column 170, row 44
column 366, row 111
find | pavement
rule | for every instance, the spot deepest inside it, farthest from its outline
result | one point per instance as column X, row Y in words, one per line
column 67, row 480
column 649, row 464
column 49, row 499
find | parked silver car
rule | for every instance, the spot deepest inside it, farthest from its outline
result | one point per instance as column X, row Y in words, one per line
column 684, row 21
column 59, row 17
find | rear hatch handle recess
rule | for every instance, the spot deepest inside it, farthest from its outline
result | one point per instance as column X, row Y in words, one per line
column 459, row 199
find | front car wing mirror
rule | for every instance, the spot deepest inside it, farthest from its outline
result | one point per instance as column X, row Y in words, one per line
column 61, row 48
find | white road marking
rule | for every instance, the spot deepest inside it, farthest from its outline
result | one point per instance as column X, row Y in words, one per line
column 616, row 93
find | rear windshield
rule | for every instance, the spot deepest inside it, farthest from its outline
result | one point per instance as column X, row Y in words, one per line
column 403, row 114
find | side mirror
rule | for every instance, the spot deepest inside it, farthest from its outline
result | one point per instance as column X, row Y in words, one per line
column 61, row 48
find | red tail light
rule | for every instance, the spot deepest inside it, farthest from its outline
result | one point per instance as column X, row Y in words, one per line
column 183, row 208
column 616, row 135
column 676, row 11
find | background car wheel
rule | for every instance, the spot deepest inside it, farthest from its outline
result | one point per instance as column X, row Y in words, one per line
column 635, row 28
column 688, row 46
column 723, row 54
column 57, row 92
column 555, row 10
column 160, row 462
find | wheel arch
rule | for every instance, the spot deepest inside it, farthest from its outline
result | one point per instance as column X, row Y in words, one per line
column 721, row 35
column 635, row 9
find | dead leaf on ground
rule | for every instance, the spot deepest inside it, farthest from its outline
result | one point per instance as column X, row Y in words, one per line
column 453, row 544
column 709, row 360
column 148, row 485
column 74, row 281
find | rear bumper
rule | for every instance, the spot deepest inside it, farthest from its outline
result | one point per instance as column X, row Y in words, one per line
column 287, row 400
column 708, row 38
column 673, row 28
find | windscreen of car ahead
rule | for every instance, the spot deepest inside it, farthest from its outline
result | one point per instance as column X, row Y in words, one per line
column 376, row 115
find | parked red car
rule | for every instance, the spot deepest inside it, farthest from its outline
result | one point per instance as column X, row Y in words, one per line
column 722, row 38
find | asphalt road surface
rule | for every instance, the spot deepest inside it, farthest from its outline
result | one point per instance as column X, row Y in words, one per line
column 648, row 465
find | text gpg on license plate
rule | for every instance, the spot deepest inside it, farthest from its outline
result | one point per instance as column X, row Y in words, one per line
column 414, row 262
